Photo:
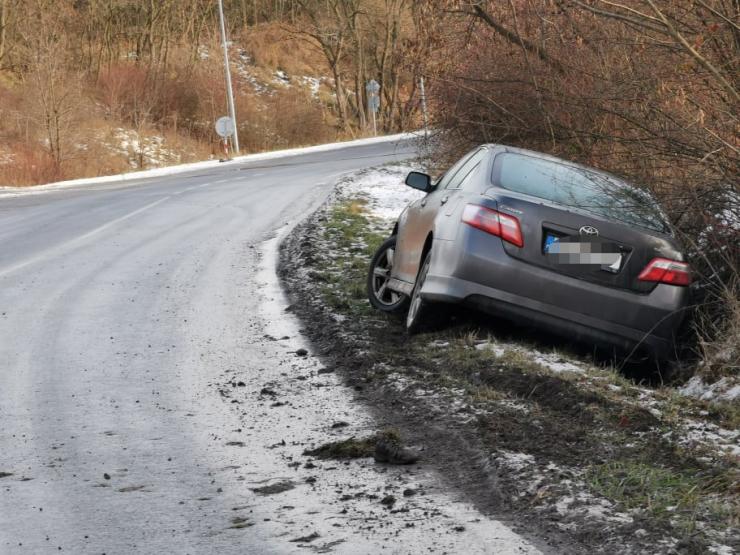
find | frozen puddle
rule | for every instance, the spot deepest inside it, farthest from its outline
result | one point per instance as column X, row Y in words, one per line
column 286, row 406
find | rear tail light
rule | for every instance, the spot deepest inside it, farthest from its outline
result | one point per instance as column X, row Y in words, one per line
column 494, row 222
column 663, row 270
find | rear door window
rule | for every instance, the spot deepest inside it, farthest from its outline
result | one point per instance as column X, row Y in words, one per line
column 466, row 169
column 450, row 174
column 578, row 188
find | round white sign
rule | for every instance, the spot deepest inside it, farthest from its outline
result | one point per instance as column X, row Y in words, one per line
column 225, row 127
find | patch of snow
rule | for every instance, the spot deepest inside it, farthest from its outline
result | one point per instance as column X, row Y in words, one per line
column 655, row 412
column 726, row 389
column 518, row 406
column 730, row 217
column 552, row 361
column 720, row 549
column 586, row 505
column 281, row 78
column 439, row 344
column 242, row 64
column 563, row 504
column 313, row 83
column 556, row 363
column 142, row 150
column 514, row 461
column 384, row 189
column 711, row 435
column 497, row 350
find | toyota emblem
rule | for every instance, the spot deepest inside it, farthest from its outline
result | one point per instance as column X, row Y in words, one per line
column 588, row 230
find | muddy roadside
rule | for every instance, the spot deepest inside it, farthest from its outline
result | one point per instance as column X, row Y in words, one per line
column 559, row 447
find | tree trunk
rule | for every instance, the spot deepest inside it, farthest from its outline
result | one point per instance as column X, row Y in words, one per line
column 341, row 100
column 3, row 27
column 360, row 77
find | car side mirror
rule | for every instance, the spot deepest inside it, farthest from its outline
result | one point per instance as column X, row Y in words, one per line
column 418, row 180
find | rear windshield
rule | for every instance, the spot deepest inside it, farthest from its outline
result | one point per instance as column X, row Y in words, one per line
column 578, row 188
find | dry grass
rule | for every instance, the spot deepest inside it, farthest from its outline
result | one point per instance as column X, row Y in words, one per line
column 720, row 341
column 272, row 45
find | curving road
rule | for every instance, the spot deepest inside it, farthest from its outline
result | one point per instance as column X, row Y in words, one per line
column 128, row 313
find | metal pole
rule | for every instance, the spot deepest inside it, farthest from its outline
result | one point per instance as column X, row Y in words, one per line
column 375, row 124
column 229, row 90
column 424, row 110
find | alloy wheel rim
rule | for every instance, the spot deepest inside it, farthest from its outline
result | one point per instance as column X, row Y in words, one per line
column 382, row 277
column 416, row 296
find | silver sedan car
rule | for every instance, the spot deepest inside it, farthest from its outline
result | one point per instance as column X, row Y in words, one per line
column 540, row 240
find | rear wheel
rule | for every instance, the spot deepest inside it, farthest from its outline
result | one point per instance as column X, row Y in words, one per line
column 380, row 295
column 419, row 308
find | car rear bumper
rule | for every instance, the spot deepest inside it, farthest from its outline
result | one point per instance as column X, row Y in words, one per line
column 483, row 275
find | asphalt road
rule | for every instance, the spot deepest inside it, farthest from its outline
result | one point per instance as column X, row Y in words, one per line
column 127, row 314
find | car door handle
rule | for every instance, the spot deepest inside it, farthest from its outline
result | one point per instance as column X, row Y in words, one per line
column 444, row 199
column 424, row 202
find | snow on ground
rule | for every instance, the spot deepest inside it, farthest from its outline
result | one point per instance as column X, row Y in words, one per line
column 728, row 217
column 313, row 83
column 142, row 150
column 711, row 437
column 243, row 63
column 573, row 499
column 196, row 166
column 281, row 78
column 515, row 461
column 552, row 361
column 384, row 189
column 726, row 389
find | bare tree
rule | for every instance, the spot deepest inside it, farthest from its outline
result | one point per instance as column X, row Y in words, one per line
column 327, row 28
column 56, row 91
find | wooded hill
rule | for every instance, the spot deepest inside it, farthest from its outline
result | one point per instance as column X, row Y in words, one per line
column 90, row 87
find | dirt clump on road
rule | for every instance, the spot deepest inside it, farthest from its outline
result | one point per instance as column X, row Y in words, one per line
column 277, row 487
column 385, row 447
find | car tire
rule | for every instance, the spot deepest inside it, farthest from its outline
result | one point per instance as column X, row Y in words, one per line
column 378, row 277
column 418, row 316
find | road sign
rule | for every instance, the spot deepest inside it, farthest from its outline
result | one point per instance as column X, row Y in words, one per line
column 225, row 127
column 373, row 101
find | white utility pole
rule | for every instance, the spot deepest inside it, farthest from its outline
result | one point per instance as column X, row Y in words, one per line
column 373, row 102
column 229, row 90
column 424, row 109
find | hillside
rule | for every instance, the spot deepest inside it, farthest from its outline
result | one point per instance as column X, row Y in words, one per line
column 90, row 89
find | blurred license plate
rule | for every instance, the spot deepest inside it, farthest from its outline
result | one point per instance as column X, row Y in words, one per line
column 592, row 253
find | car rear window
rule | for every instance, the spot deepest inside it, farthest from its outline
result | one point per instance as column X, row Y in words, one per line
column 578, row 188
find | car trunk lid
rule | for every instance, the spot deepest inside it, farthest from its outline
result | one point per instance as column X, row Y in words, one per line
column 571, row 242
